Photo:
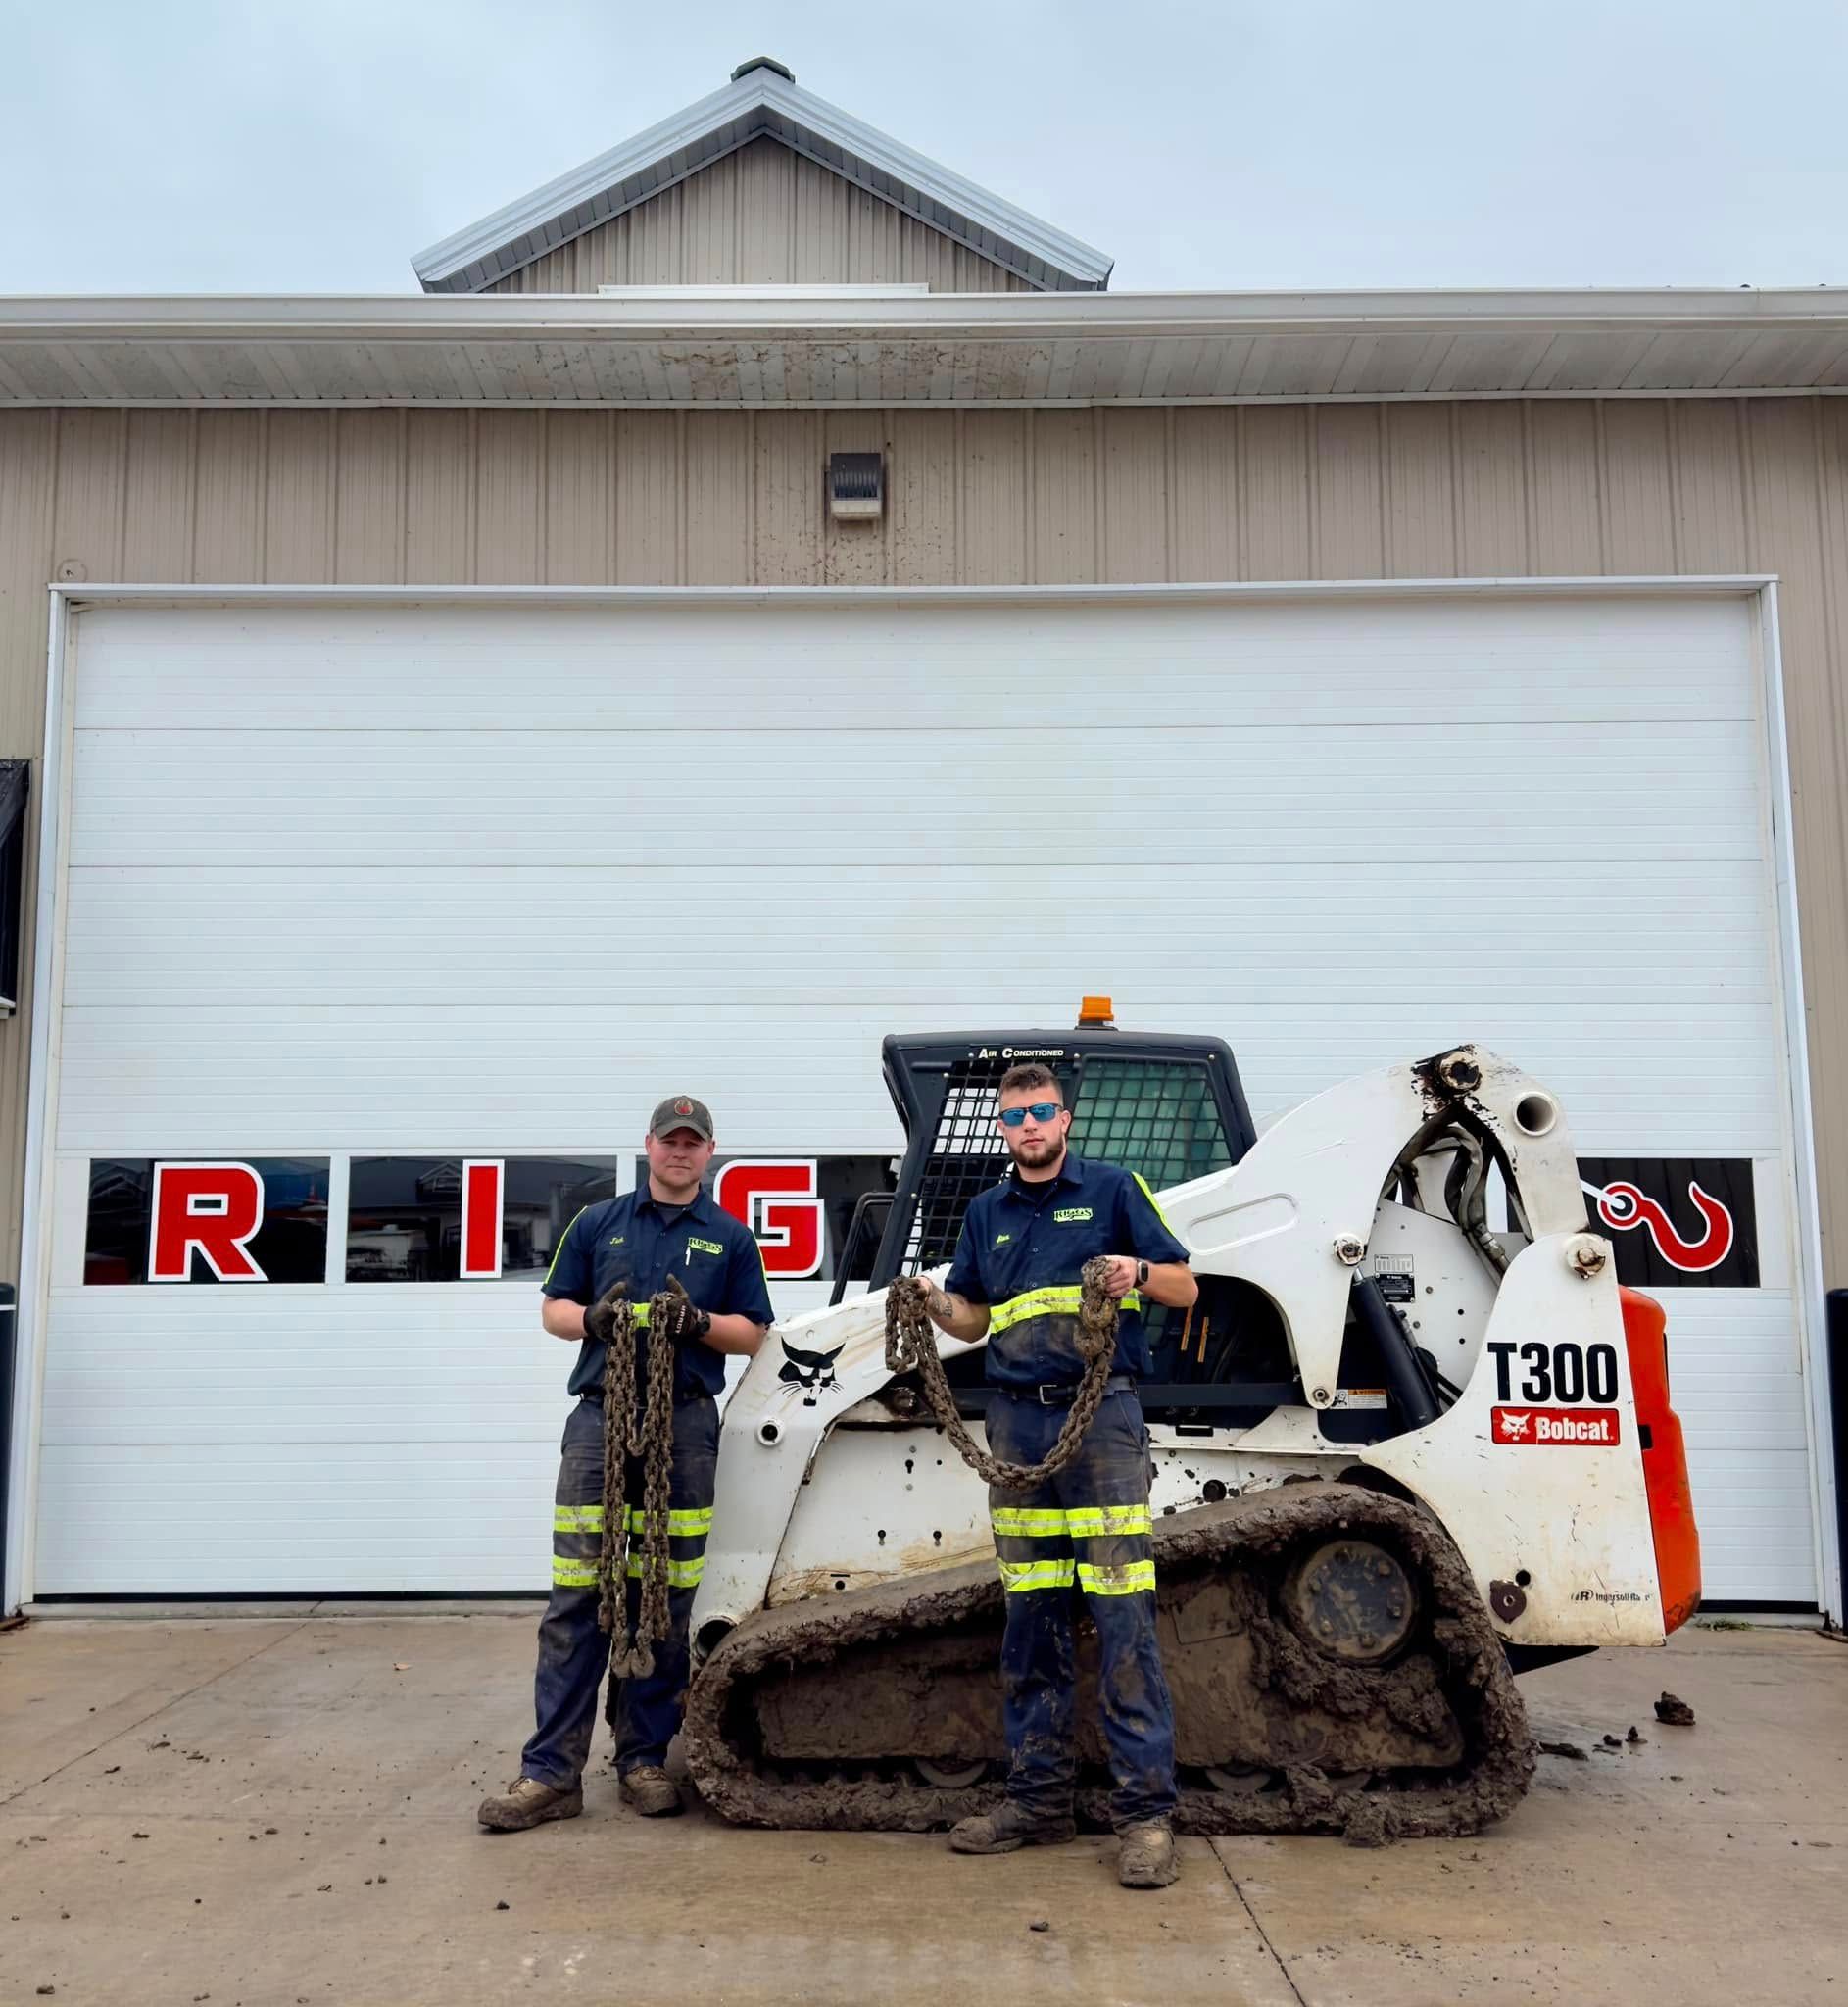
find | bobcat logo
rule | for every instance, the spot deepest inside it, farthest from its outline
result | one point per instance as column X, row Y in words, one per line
column 813, row 1372
column 1514, row 1426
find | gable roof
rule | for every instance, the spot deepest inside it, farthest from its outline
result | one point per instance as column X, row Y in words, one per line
column 761, row 100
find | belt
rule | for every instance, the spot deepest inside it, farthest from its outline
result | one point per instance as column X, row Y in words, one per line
column 682, row 1398
column 1062, row 1393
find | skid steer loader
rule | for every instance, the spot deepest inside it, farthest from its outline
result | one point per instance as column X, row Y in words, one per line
column 1413, row 1438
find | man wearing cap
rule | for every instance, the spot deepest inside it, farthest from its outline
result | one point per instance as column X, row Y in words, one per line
column 629, row 1247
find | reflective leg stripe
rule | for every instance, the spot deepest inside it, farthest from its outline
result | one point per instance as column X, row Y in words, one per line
column 680, row 1574
column 1081, row 1522
column 1019, row 1576
column 1130, row 1578
column 1063, row 1299
column 685, row 1523
column 569, row 1572
column 577, row 1519
column 1085, row 1522
column 1028, row 1522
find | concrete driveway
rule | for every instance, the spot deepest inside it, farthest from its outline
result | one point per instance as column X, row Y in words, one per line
column 278, row 1809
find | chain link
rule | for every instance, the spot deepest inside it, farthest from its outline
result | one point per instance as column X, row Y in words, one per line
column 911, row 1348
column 644, row 1429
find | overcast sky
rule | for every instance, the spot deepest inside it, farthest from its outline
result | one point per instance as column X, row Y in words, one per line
column 187, row 146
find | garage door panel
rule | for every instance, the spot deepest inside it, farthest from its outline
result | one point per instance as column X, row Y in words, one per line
column 271, row 937
column 1417, row 793
column 403, row 1078
column 348, row 880
column 927, row 665
column 286, row 1519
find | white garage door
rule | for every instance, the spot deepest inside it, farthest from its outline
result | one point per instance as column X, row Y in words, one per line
column 449, row 881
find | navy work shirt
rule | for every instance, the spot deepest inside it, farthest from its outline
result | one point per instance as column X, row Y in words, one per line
column 1022, row 1249
column 635, row 1239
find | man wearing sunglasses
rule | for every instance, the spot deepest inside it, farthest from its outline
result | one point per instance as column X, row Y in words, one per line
column 1085, row 1532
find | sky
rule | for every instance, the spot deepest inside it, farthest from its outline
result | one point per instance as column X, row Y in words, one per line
column 178, row 146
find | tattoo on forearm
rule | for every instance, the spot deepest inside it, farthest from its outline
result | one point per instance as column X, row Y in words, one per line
column 941, row 1306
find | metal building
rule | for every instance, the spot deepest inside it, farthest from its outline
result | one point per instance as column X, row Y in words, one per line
column 1397, row 668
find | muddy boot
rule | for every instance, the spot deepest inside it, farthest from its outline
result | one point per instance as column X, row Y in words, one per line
column 651, row 1792
column 1011, row 1827
column 1147, row 1858
column 528, row 1802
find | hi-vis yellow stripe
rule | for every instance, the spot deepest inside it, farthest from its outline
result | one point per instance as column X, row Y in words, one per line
column 1081, row 1522
column 1061, row 1299
column 572, row 1574
column 1020, row 1576
column 562, row 1237
column 1152, row 1200
column 1130, row 1579
column 1087, row 1522
column 684, row 1524
column 680, row 1574
column 681, row 1525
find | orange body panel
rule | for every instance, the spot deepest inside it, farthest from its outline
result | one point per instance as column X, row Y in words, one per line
column 1664, row 1459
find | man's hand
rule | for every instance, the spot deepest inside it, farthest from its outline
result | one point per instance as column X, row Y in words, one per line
column 935, row 1305
column 600, row 1320
column 1121, row 1276
column 699, row 1322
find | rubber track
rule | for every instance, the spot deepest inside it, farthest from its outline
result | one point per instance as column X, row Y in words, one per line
column 1260, row 1528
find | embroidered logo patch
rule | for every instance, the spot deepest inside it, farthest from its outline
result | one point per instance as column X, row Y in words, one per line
column 1070, row 1215
column 1002, row 1240
column 703, row 1248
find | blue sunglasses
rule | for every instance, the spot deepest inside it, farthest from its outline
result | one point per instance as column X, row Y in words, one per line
column 1041, row 1111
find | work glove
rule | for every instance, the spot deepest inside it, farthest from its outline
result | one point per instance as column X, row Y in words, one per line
column 600, row 1320
column 699, row 1322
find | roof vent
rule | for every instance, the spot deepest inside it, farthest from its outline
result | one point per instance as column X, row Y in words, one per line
column 764, row 63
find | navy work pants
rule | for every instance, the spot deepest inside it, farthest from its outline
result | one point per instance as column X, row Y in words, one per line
column 573, row 1654
column 1085, row 1533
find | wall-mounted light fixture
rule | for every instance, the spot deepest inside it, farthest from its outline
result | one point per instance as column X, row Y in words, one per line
column 856, row 486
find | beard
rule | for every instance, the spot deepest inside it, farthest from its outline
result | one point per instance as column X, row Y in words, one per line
column 1035, row 1153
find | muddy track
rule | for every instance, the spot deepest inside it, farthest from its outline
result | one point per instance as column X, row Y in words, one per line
column 1460, row 1674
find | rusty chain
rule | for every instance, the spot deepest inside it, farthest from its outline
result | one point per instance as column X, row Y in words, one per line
column 644, row 1429
column 911, row 1348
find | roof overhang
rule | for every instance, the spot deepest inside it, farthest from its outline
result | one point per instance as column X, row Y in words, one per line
column 763, row 103
column 943, row 349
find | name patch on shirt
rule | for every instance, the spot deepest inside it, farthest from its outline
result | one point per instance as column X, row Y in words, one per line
column 703, row 1248
column 1002, row 1240
column 1068, row 1215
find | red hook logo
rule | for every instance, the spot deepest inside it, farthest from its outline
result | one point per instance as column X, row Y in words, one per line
column 1624, row 1207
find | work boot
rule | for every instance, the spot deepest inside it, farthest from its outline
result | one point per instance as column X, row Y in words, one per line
column 1012, row 1825
column 1147, row 1858
column 528, row 1802
column 651, row 1792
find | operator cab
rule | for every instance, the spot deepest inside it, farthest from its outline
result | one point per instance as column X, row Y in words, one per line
column 1169, row 1107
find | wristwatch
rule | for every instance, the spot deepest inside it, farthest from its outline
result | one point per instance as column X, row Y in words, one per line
column 1141, row 1275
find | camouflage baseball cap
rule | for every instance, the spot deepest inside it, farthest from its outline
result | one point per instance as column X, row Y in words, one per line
column 681, row 1111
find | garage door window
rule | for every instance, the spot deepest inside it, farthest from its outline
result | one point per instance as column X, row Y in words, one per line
column 405, row 1213
column 253, row 1219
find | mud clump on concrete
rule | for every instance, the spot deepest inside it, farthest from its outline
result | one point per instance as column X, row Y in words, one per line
column 1569, row 1750
column 1675, row 1711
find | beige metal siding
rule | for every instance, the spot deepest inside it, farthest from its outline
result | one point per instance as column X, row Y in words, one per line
column 976, row 497
column 762, row 215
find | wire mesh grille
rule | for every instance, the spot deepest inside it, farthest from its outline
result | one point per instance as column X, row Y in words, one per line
column 1156, row 1117
column 1151, row 1116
